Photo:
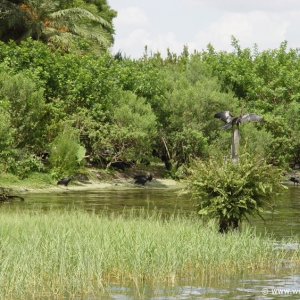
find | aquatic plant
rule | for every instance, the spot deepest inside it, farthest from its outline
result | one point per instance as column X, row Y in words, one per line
column 75, row 254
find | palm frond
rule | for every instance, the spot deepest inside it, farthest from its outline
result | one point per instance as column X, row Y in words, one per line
column 56, row 39
column 99, row 37
column 74, row 14
column 65, row 40
column 40, row 20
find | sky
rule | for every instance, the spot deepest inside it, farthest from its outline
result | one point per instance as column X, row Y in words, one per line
column 162, row 24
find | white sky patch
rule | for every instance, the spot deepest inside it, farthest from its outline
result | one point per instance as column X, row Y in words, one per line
column 134, row 44
column 243, row 6
column 162, row 24
column 265, row 30
column 162, row 42
column 133, row 16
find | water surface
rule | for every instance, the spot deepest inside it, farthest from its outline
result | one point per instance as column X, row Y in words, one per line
column 283, row 222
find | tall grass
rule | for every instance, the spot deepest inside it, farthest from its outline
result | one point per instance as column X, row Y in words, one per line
column 74, row 253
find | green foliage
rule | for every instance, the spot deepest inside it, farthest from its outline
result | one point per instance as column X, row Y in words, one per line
column 34, row 179
column 64, row 150
column 268, row 81
column 257, row 139
column 191, row 100
column 20, row 163
column 133, row 112
column 22, row 168
column 132, row 127
column 80, row 154
column 134, row 106
column 25, row 104
column 6, row 132
column 265, row 79
column 63, row 29
column 230, row 191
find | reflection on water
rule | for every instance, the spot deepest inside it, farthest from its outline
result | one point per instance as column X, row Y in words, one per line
column 251, row 287
column 283, row 222
column 256, row 287
column 114, row 200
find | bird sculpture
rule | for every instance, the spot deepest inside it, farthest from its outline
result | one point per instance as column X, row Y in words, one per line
column 295, row 180
column 230, row 120
column 142, row 179
column 65, row 181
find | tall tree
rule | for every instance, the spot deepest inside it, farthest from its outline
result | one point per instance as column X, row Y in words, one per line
column 70, row 28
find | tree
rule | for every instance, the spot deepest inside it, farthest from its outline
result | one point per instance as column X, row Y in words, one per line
column 23, row 100
column 130, row 128
column 186, row 114
column 69, row 28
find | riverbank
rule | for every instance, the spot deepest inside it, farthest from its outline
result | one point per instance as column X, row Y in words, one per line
column 92, row 179
column 116, row 184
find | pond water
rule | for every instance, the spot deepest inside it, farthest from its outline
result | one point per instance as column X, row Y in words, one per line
column 283, row 222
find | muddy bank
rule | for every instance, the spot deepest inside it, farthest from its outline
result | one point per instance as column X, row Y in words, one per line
column 92, row 179
column 114, row 184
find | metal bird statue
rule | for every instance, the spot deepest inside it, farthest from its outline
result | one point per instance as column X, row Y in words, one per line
column 230, row 120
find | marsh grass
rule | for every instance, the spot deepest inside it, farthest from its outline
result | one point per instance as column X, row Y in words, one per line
column 72, row 254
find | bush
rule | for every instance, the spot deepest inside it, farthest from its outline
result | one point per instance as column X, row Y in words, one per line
column 20, row 163
column 22, row 100
column 230, row 191
column 65, row 153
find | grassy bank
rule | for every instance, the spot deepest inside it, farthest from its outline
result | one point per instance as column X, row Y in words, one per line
column 43, row 180
column 34, row 180
column 73, row 253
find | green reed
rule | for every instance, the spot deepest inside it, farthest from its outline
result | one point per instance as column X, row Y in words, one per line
column 70, row 254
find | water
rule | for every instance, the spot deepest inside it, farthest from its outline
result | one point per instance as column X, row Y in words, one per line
column 283, row 222
column 258, row 287
column 114, row 199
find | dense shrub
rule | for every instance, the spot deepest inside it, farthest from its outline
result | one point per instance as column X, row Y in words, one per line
column 230, row 192
column 65, row 153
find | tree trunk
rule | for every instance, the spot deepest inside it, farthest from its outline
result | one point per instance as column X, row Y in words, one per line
column 226, row 224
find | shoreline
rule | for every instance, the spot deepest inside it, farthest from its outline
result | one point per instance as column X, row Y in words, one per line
column 114, row 184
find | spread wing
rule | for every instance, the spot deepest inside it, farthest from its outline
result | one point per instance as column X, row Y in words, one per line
column 227, row 126
column 250, row 117
column 225, row 116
